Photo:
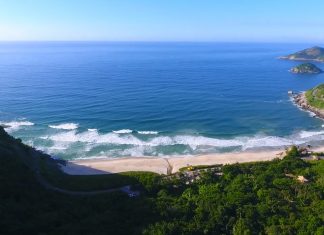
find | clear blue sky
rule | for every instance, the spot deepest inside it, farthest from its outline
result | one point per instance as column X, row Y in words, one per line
column 163, row 20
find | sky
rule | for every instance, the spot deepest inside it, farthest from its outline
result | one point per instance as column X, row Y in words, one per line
column 162, row 20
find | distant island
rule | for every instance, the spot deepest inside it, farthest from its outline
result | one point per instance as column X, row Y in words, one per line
column 306, row 68
column 312, row 100
column 311, row 54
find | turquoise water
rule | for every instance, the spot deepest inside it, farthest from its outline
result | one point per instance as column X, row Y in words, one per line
column 83, row 100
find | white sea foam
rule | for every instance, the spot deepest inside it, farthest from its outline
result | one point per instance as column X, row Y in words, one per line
column 124, row 143
column 15, row 125
column 116, row 139
column 94, row 137
column 123, row 131
column 136, row 151
column 310, row 113
column 148, row 132
column 73, row 136
column 308, row 134
column 266, row 141
column 65, row 126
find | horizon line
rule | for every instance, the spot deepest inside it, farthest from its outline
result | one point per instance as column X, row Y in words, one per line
column 160, row 41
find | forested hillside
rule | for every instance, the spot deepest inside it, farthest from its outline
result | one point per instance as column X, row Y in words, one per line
column 277, row 197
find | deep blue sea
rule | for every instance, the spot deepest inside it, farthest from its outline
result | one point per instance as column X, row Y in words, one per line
column 100, row 99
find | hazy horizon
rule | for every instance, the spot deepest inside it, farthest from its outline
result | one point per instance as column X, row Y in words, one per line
column 306, row 43
column 162, row 21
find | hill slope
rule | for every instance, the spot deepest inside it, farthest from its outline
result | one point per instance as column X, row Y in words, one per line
column 253, row 198
column 315, row 97
column 306, row 68
column 26, row 207
column 310, row 54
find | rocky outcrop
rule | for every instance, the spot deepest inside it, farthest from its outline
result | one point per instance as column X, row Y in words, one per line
column 306, row 68
column 301, row 101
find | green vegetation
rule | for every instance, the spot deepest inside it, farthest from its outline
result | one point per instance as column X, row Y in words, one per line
column 250, row 198
column 311, row 54
column 315, row 96
column 26, row 207
column 193, row 168
column 306, row 68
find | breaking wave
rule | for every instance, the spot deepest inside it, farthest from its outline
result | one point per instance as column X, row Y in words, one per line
column 148, row 132
column 131, row 145
column 113, row 138
column 128, row 131
column 15, row 125
column 123, row 131
column 71, row 142
column 65, row 126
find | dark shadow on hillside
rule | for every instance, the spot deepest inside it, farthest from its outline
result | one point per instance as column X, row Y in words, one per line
column 48, row 173
column 76, row 169
column 89, row 179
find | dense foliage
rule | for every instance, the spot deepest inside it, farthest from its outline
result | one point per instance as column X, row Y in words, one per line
column 258, row 198
column 27, row 208
column 254, row 198
column 315, row 96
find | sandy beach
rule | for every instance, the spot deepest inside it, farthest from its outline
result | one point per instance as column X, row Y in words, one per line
column 167, row 165
column 163, row 165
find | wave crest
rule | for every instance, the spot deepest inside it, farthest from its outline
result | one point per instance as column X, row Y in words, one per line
column 72, row 142
column 94, row 137
column 15, row 125
column 123, row 131
column 65, row 126
column 148, row 132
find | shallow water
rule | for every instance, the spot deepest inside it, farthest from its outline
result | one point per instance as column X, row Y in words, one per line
column 81, row 100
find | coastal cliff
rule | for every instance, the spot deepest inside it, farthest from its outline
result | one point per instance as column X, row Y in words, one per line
column 301, row 101
column 312, row 100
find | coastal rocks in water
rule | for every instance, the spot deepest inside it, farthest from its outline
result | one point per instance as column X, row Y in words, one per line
column 310, row 54
column 312, row 100
column 306, row 68
column 4, row 126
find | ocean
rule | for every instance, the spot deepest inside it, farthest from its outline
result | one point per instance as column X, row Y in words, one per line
column 114, row 99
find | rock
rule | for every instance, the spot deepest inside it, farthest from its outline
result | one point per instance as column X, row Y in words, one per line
column 302, row 100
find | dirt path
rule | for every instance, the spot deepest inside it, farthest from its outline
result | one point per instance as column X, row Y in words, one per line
column 32, row 163
column 48, row 186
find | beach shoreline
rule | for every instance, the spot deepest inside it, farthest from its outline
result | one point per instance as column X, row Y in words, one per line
column 169, row 165
column 164, row 165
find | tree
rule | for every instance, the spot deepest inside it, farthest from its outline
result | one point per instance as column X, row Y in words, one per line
column 241, row 227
